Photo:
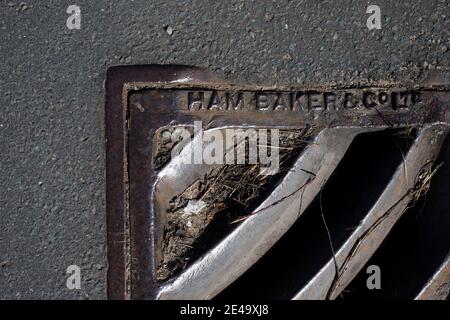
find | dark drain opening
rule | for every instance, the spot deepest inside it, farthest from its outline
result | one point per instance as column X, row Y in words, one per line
column 348, row 195
column 416, row 246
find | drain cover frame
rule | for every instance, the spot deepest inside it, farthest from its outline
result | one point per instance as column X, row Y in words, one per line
column 130, row 237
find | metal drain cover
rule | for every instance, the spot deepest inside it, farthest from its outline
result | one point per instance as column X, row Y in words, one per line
column 184, row 227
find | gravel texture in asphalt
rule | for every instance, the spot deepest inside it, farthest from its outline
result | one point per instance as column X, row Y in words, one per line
column 52, row 198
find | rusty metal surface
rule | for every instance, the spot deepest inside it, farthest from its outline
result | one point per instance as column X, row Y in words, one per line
column 116, row 162
column 142, row 99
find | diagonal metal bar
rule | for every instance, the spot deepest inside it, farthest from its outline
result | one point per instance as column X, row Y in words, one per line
column 392, row 203
column 178, row 175
column 250, row 241
column 438, row 287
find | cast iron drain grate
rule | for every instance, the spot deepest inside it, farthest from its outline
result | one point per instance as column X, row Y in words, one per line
column 350, row 162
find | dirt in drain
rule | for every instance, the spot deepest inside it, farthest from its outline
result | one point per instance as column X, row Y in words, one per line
column 204, row 212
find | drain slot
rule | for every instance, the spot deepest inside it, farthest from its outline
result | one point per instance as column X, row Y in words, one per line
column 416, row 246
column 348, row 195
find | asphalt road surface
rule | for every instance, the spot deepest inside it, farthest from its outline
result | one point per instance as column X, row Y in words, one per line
column 52, row 198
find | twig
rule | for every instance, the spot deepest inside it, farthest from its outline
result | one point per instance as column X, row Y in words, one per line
column 333, row 252
column 274, row 203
